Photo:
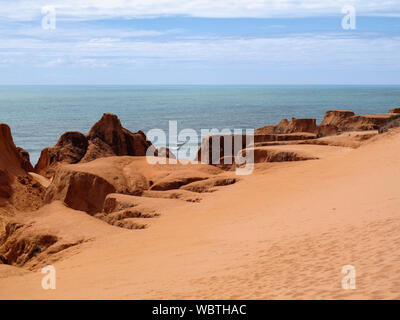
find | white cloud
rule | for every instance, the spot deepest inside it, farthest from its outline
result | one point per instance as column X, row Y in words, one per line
column 106, row 45
column 103, row 9
column 55, row 62
column 295, row 51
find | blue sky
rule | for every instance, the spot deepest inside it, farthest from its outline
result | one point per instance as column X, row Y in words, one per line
column 200, row 42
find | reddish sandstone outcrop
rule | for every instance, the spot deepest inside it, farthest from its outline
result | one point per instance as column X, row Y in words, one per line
column 10, row 163
column 123, row 142
column 5, row 186
column 173, row 194
column 208, row 184
column 165, row 152
column 227, row 142
column 328, row 126
column 84, row 186
column 346, row 139
column 97, row 149
column 392, row 123
column 26, row 161
column 270, row 154
column 336, row 121
column 297, row 125
column 39, row 238
column 327, row 130
column 270, row 129
column 18, row 245
column 133, row 212
column 293, row 126
column 395, row 111
column 332, row 121
column 106, row 138
column 364, row 122
column 177, row 179
column 10, row 158
column 336, row 117
column 283, row 137
column 79, row 190
column 17, row 189
column 70, row 148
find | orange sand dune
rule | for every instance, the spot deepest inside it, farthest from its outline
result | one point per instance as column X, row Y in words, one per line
column 283, row 232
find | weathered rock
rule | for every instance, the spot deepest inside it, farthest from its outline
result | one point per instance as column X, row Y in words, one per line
column 133, row 212
column 208, row 184
column 335, row 121
column 165, row 152
column 215, row 147
column 84, row 186
column 26, row 161
column 330, row 125
column 79, row 190
column 10, row 158
column 70, row 148
column 228, row 149
column 42, row 167
column 180, row 194
column 392, row 123
column 395, row 111
column 43, row 181
column 344, row 120
column 270, row 129
column 39, row 238
column 123, row 142
column 177, row 179
column 17, row 189
column 143, row 207
column 5, row 185
column 332, row 121
column 270, row 154
column 336, row 117
column 364, row 122
column 297, row 125
column 327, row 130
column 97, row 149
column 293, row 126
column 106, row 138
column 18, row 245
column 258, row 138
column 125, row 174
column 346, row 139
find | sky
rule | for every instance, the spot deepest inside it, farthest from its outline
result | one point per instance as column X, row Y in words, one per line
column 238, row 42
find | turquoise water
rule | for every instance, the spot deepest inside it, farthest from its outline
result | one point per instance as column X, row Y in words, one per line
column 38, row 115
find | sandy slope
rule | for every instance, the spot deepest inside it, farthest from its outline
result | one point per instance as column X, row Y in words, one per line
column 284, row 232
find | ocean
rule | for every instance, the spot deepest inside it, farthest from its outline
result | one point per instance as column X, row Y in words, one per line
column 38, row 115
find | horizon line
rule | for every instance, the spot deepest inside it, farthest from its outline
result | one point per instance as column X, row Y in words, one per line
column 205, row 84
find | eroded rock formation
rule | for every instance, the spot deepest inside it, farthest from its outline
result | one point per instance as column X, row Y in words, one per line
column 293, row 126
column 106, row 138
column 84, row 186
column 336, row 117
column 17, row 189
column 336, row 121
